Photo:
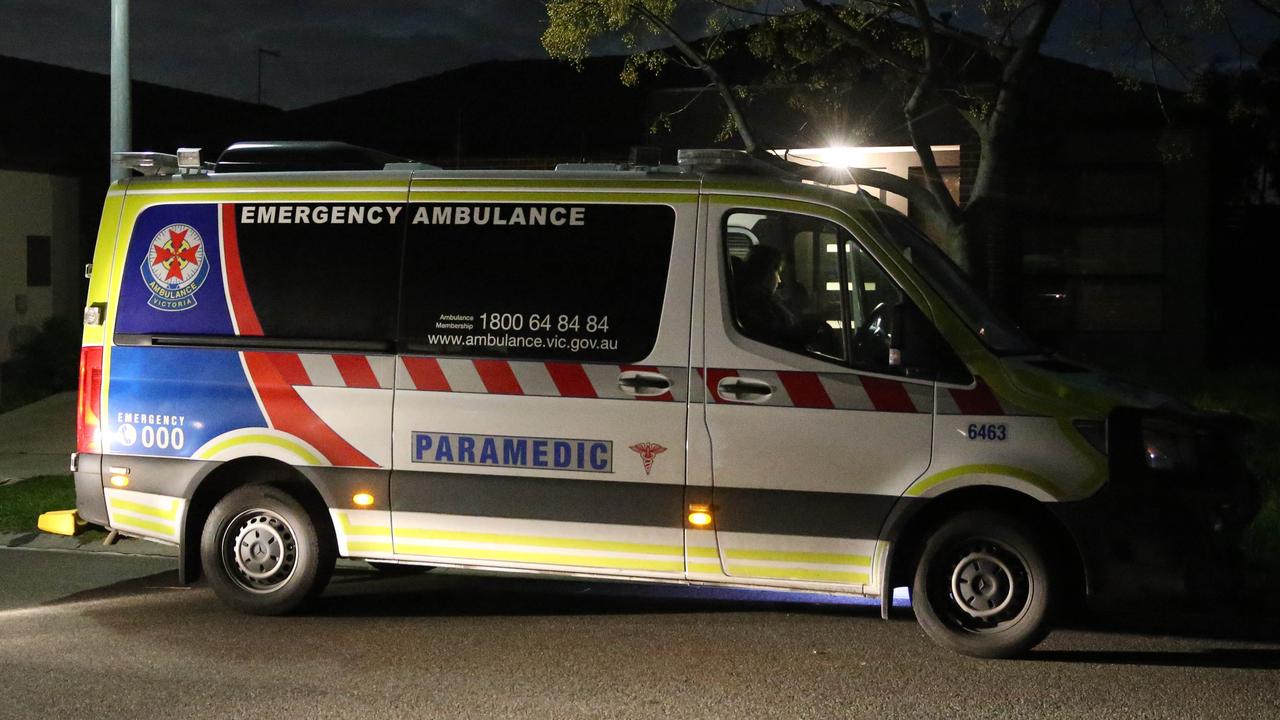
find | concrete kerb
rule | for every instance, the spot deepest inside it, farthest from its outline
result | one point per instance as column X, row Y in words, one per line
column 92, row 543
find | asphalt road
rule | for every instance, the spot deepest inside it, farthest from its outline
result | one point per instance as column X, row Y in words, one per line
column 102, row 636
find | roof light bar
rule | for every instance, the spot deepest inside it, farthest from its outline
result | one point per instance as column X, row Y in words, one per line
column 147, row 163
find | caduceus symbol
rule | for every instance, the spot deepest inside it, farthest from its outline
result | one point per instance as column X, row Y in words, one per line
column 648, row 451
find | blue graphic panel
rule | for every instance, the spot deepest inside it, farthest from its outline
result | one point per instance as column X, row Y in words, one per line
column 173, row 274
column 170, row 401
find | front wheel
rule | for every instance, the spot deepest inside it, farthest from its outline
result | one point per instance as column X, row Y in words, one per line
column 262, row 552
column 983, row 586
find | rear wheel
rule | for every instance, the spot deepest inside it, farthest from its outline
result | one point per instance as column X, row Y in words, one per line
column 263, row 553
column 983, row 586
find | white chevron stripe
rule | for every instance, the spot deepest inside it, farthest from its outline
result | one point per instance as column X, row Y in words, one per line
column 846, row 392
column 921, row 396
column 384, row 369
column 604, row 378
column 462, row 376
column 403, row 380
column 322, row 370
column 534, row 379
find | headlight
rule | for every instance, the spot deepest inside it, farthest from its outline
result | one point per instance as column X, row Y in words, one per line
column 1168, row 446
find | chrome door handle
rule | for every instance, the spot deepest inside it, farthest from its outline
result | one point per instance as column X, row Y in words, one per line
column 739, row 389
column 643, row 384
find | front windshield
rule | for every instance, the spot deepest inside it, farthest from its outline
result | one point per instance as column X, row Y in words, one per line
column 1000, row 334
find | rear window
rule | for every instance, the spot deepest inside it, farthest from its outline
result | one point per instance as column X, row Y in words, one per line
column 322, row 279
column 290, row 271
column 536, row 281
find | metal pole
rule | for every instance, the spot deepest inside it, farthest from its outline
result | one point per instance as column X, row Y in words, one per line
column 261, row 52
column 121, row 131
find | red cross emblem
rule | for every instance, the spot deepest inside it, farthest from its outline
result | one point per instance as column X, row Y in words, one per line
column 175, row 254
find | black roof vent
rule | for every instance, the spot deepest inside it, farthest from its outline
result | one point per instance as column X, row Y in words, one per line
column 301, row 155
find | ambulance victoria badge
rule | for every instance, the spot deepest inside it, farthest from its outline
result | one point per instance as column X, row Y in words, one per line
column 175, row 267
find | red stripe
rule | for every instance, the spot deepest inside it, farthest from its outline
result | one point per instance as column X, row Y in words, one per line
column 241, row 303
column 887, row 395
column 498, row 377
column 426, row 374
column 571, row 380
column 290, row 368
column 978, row 401
column 664, row 397
column 805, row 389
column 288, row 413
column 356, row 371
column 714, row 376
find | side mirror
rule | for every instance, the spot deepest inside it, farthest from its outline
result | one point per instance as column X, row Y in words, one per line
column 916, row 346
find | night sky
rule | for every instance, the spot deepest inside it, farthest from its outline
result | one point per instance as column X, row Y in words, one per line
column 333, row 48
column 329, row 48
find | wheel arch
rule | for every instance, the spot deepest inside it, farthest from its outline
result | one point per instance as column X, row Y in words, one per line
column 228, row 476
column 911, row 523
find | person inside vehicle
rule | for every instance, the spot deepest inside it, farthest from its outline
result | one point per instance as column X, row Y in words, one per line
column 760, row 309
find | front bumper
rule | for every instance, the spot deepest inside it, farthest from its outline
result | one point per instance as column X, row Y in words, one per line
column 1151, row 537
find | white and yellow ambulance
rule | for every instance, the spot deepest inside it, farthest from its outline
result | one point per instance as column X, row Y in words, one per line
column 708, row 373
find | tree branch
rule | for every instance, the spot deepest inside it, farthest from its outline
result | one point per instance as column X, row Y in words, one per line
column 914, row 111
column 1266, row 6
column 713, row 75
column 1015, row 71
column 855, row 38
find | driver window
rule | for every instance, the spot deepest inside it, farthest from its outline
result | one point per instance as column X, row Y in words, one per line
column 802, row 284
column 785, row 281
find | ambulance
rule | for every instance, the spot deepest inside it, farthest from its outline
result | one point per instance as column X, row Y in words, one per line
column 710, row 373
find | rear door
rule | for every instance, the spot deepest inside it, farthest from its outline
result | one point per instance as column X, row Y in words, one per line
column 542, row 384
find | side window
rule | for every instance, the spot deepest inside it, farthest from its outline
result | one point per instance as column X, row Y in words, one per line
column 577, row 283
column 784, row 272
column 321, row 278
column 803, row 284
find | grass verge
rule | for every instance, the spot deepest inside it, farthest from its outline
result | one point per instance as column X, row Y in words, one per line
column 22, row 502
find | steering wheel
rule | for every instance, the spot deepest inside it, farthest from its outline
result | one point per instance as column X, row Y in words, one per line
column 872, row 340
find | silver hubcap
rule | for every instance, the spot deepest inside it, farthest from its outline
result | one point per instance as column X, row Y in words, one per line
column 259, row 550
column 982, row 585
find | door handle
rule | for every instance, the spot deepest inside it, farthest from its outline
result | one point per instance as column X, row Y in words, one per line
column 643, row 384
column 739, row 389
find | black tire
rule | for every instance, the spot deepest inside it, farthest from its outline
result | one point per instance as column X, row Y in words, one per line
column 262, row 552
column 983, row 586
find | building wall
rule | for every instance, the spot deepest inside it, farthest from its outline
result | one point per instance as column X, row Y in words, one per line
column 1115, row 252
column 41, row 205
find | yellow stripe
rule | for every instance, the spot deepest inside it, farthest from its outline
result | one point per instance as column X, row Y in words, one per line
column 799, row 574
column 706, row 568
column 358, row 547
column 538, row 541
column 137, row 522
column 1007, row 470
column 266, row 440
column 538, row 558
column 585, row 197
column 349, row 529
column 703, row 552
column 170, row 514
column 800, row 557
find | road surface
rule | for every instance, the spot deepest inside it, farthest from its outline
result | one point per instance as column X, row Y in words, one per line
column 103, row 636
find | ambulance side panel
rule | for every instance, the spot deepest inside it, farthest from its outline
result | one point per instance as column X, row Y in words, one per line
column 543, row 380
column 254, row 320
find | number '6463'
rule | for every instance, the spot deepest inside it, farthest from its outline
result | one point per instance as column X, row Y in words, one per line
column 988, row 432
